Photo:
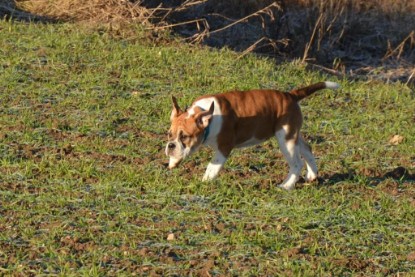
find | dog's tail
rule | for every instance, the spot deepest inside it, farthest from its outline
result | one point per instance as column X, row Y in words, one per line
column 301, row 93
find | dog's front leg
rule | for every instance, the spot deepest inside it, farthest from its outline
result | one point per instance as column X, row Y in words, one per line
column 214, row 166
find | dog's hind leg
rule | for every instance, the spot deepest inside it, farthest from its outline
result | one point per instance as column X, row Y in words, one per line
column 310, row 161
column 291, row 151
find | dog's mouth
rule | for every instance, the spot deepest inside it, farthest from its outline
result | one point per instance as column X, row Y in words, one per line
column 175, row 155
column 174, row 162
column 178, row 153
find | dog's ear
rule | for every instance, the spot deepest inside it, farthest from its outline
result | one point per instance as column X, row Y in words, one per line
column 176, row 109
column 203, row 118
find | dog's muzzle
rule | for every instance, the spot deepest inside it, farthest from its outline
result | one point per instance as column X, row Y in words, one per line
column 170, row 148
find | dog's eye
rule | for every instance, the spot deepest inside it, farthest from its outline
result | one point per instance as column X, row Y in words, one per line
column 183, row 137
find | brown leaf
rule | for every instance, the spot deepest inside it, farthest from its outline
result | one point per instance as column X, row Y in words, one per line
column 411, row 257
column 396, row 139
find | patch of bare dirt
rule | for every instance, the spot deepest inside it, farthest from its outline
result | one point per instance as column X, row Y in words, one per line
column 354, row 263
column 411, row 257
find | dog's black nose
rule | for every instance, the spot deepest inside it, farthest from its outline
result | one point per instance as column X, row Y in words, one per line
column 171, row 145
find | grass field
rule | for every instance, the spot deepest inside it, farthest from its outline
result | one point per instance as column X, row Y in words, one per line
column 84, row 190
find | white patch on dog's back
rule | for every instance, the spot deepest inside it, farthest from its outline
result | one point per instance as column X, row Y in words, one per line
column 204, row 104
column 216, row 122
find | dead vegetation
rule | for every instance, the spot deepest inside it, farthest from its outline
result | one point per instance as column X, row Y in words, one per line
column 374, row 38
column 94, row 11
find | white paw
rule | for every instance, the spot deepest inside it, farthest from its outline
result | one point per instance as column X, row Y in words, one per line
column 310, row 177
column 287, row 186
column 206, row 178
column 210, row 175
column 214, row 167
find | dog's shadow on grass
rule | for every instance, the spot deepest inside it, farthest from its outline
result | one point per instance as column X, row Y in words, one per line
column 399, row 174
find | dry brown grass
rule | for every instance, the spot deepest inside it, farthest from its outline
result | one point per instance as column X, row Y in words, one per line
column 116, row 12
column 384, row 6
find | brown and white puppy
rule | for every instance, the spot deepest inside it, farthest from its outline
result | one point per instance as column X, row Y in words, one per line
column 240, row 119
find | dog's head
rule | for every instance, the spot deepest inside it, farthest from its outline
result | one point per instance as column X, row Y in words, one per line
column 187, row 131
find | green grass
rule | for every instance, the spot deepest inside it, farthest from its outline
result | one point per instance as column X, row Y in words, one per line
column 84, row 189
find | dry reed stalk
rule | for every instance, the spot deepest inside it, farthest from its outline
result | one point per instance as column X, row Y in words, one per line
column 308, row 44
column 169, row 26
column 409, row 81
column 252, row 47
column 397, row 52
column 271, row 42
column 266, row 10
